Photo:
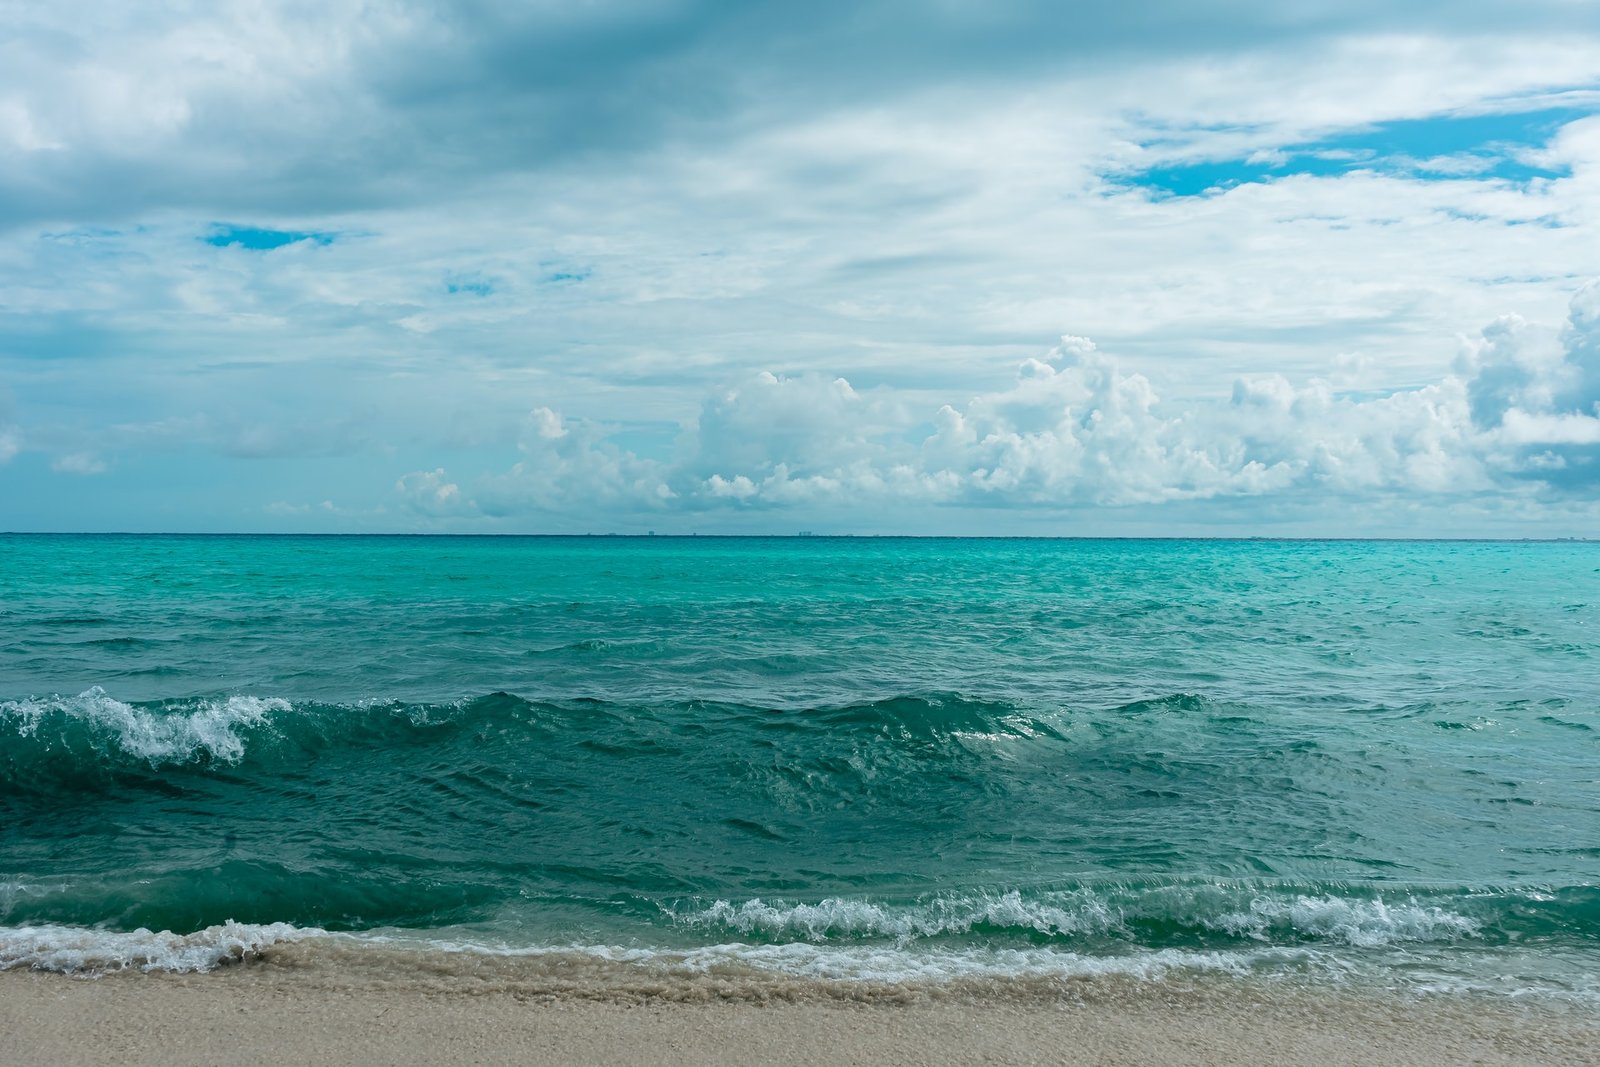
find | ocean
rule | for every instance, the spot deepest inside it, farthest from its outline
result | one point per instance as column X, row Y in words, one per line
column 756, row 766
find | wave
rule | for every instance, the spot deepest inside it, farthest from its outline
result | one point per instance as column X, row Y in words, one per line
column 256, row 892
column 72, row 742
column 219, row 728
column 857, row 964
column 1103, row 917
column 836, row 918
column 1189, row 914
column 1012, row 943
column 96, row 727
column 91, row 952
column 209, row 728
column 929, row 717
column 1361, row 922
column 466, row 962
column 230, row 729
column 356, row 816
column 81, row 950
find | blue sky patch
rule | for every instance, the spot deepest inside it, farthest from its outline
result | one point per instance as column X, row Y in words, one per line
column 260, row 239
column 468, row 286
column 1439, row 148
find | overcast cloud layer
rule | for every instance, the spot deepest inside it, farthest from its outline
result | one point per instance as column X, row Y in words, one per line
column 1231, row 268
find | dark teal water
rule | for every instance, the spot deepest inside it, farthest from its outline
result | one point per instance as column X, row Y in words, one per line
column 847, row 758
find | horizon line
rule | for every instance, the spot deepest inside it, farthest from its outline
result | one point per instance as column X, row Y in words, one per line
column 808, row 536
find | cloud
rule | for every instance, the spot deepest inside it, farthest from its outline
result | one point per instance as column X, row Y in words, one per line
column 1581, row 340
column 78, row 463
column 10, row 434
column 322, row 511
column 1509, row 370
column 256, row 435
column 571, row 467
column 1540, row 401
column 109, row 113
column 1524, row 428
column 429, row 493
column 799, row 436
column 1076, row 430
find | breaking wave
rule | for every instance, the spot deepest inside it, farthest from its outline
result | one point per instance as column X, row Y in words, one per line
column 1146, row 915
column 79, row 950
column 93, row 722
column 74, row 741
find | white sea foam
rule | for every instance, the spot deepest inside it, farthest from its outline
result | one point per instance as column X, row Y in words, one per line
column 891, row 964
column 839, row 917
column 211, row 727
column 80, row 950
column 866, row 963
column 86, row 951
column 1363, row 923
column 594, row 969
column 1366, row 923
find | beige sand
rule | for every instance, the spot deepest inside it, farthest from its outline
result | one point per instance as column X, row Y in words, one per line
column 237, row 1017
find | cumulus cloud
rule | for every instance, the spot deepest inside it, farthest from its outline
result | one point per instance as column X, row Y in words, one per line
column 1075, row 429
column 1581, row 341
column 568, row 466
column 1540, row 401
column 1514, row 370
column 785, row 440
column 430, row 493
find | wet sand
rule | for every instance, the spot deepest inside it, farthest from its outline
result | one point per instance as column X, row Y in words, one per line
column 250, row 1015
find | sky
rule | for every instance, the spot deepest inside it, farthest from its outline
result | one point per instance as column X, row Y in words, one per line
column 1156, row 268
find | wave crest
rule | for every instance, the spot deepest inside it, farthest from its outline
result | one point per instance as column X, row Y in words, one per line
column 208, row 729
column 78, row 950
column 837, row 917
column 1131, row 916
column 79, row 733
column 1362, row 923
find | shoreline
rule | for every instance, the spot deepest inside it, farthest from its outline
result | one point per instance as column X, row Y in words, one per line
column 314, row 1011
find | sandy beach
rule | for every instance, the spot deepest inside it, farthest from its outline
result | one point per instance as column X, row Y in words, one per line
column 239, row 1015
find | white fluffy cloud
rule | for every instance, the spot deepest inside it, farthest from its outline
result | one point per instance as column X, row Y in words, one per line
column 567, row 467
column 1074, row 430
column 431, row 493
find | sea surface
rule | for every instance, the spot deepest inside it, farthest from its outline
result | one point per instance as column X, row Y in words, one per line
column 853, row 761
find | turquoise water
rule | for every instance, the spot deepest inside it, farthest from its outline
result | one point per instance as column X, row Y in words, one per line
column 843, row 758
